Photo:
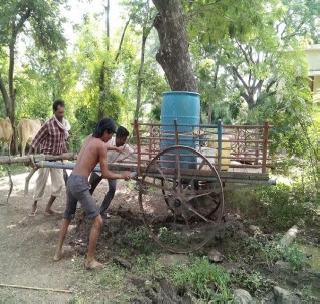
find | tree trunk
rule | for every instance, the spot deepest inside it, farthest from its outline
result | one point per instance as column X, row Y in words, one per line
column 215, row 83
column 102, row 91
column 104, row 85
column 122, row 39
column 107, row 23
column 173, row 54
column 145, row 34
column 5, row 96
column 12, row 97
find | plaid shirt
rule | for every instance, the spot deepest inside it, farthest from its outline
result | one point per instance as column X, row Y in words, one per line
column 50, row 139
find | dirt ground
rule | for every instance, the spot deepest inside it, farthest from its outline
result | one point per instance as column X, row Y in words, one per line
column 27, row 245
column 132, row 260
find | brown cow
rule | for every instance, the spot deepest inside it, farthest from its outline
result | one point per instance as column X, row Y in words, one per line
column 6, row 131
column 27, row 130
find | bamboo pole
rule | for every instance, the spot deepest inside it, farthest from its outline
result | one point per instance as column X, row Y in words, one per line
column 28, row 159
column 36, row 288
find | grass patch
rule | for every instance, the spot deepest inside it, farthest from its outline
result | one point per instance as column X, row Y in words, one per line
column 253, row 281
column 77, row 300
column 148, row 265
column 276, row 208
column 139, row 239
column 269, row 252
column 204, row 280
column 112, row 276
column 286, row 205
column 168, row 237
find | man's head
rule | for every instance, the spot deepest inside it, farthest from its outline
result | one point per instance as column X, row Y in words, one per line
column 58, row 109
column 121, row 136
column 104, row 129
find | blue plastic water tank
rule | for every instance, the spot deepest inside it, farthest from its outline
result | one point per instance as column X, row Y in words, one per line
column 184, row 107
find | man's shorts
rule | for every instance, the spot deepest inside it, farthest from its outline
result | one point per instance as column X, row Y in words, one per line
column 78, row 190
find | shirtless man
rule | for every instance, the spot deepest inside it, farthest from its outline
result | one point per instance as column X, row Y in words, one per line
column 123, row 152
column 92, row 152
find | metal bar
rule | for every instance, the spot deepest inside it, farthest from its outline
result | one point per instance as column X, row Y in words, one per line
column 205, row 125
column 204, row 139
column 136, row 127
column 244, row 126
column 176, row 133
column 184, row 125
column 265, row 146
column 150, row 139
column 220, row 131
column 70, row 166
column 250, row 181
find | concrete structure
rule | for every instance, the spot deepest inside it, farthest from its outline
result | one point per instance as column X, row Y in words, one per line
column 313, row 58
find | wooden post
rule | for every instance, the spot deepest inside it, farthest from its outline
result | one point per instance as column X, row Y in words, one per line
column 176, row 132
column 265, row 146
column 220, row 132
column 257, row 137
column 238, row 142
column 178, row 166
column 150, row 140
column 136, row 128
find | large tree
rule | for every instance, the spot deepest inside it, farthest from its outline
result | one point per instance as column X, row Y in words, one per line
column 37, row 19
column 173, row 54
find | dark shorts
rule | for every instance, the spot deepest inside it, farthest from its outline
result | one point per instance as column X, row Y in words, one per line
column 78, row 190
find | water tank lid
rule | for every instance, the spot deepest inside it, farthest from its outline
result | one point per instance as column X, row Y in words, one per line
column 181, row 92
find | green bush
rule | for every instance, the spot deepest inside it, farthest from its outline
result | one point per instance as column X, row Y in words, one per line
column 269, row 252
column 205, row 280
column 295, row 256
column 168, row 237
column 286, row 205
column 150, row 266
column 251, row 281
column 139, row 239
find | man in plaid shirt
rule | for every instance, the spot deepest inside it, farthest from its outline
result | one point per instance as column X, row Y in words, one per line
column 51, row 140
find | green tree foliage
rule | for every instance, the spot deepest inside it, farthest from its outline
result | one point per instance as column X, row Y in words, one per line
column 247, row 56
column 251, row 66
column 36, row 19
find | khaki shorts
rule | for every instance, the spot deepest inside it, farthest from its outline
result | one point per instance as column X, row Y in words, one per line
column 78, row 190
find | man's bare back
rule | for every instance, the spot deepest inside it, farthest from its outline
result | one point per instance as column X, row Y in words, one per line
column 88, row 157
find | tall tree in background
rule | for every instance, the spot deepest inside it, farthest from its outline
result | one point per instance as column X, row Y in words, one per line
column 43, row 22
column 142, row 16
column 107, row 68
column 173, row 54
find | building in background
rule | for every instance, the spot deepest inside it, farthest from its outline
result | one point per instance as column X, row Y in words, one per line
column 313, row 58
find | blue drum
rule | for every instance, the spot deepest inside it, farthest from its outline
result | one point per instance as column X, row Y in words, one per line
column 184, row 108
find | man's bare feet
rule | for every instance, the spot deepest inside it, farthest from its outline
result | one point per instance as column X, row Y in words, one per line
column 50, row 212
column 92, row 264
column 65, row 252
column 34, row 210
column 58, row 255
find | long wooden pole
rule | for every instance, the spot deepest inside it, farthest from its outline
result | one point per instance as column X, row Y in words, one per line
column 36, row 288
column 28, row 159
